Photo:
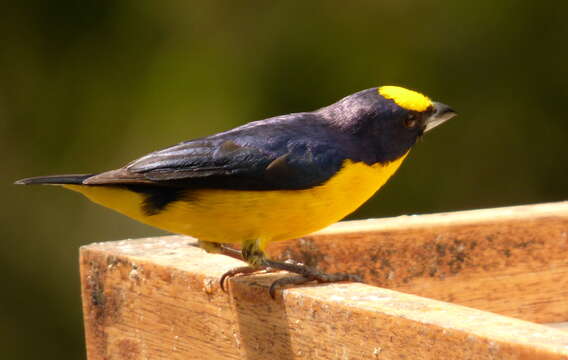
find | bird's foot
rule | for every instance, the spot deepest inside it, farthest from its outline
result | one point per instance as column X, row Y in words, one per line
column 306, row 274
column 243, row 270
column 253, row 254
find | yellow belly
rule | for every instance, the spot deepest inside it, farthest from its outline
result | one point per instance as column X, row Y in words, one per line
column 229, row 216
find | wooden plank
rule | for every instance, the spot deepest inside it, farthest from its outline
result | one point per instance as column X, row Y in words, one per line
column 160, row 299
column 512, row 261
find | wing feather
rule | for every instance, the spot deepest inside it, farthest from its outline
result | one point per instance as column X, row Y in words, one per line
column 258, row 156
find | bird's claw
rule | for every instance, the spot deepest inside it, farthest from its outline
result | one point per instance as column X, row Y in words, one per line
column 242, row 270
column 313, row 276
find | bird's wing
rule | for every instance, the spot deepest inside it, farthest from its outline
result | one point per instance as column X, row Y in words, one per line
column 267, row 156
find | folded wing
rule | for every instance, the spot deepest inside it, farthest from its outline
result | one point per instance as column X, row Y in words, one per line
column 257, row 156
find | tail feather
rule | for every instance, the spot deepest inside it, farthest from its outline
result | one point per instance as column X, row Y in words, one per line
column 55, row 179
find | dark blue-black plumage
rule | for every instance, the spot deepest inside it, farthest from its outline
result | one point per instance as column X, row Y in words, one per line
column 295, row 151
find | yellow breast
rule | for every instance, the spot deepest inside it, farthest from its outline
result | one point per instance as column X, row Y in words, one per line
column 230, row 216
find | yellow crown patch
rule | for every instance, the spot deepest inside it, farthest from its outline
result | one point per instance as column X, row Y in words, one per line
column 407, row 99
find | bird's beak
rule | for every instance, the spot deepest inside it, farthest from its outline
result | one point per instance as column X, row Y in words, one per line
column 442, row 113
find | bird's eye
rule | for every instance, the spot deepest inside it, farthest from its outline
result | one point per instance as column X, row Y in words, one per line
column 410, row 121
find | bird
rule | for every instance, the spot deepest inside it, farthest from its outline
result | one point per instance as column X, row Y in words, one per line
column 269, row 180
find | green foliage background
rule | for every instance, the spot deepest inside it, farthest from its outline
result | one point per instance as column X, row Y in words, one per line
column 89, row 85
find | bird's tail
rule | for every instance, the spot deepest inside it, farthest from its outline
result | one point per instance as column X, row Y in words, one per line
column 55, row 179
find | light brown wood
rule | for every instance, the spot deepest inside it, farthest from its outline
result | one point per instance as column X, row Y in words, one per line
column 512, row 261
column 160, row 299
column 561, row 326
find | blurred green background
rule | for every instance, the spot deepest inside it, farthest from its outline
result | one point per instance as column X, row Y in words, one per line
column 89, row 85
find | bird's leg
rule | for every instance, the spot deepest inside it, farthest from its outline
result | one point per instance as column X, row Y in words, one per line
column 252, row 254
column 219, row 248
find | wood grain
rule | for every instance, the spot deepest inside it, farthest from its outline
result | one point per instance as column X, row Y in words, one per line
column 512, row 261
column 160, row 299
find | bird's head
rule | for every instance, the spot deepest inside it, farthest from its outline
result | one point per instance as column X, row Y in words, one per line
column 390, row 118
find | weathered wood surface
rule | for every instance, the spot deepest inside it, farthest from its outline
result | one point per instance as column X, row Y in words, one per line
column 512, row 261
column 160, row 299
column 561, row 326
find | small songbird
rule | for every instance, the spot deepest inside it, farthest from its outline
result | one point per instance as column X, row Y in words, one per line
column 269, row 180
